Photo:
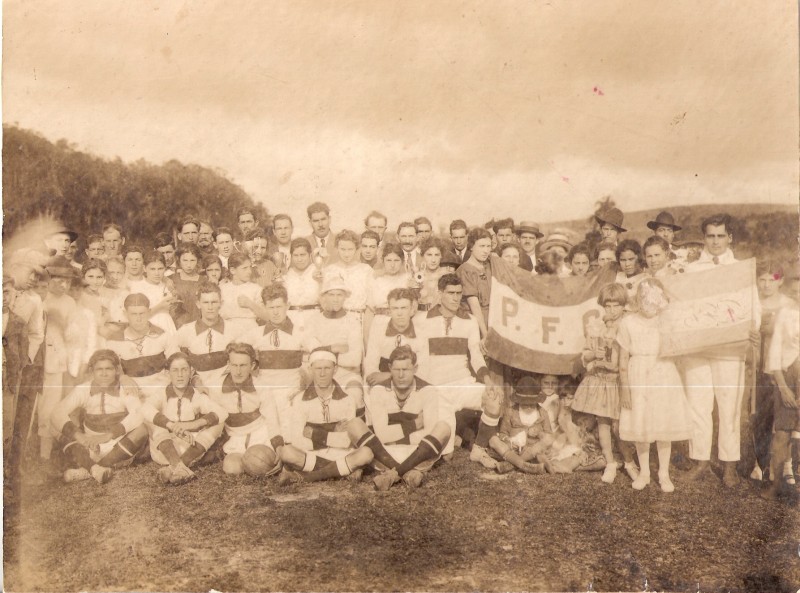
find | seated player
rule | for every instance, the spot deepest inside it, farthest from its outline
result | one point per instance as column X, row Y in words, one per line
column 254, row 435
column 525, row 430
column 204, row 341
column 141, row 346
column 453, row 344
column 320, row 447
column 409, row 437
column 280, row 346
column 183, row 423
column 339, row 331
column 110, row 432
column 385, row 336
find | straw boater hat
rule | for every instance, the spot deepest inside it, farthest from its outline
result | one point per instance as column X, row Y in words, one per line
column 690, row 237
column 612, row 216
column 526, row 226
column 663, row 219
column 334, row 282
column 557, row 238
column 527, row 392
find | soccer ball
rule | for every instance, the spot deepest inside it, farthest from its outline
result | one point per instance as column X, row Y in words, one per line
column 259, row 460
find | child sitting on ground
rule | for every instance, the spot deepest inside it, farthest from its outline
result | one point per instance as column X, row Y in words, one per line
column 575, row 446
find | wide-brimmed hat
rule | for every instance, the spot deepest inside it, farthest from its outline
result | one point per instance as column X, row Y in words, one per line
column 556, row 239
column 690, row 237
column 527, row 392
column 60, row 267
column 334, row 282
column 527, row 226
column 73, row 236
column 612, row 216
column 663, row 219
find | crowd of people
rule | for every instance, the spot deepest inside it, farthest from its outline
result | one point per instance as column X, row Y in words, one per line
column 337, row 353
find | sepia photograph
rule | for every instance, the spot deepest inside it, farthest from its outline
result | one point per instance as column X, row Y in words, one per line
column 401, row 296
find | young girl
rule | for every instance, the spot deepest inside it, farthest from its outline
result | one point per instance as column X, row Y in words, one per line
column 384, row 281
column 579, row 258
column 215, row 271
column 476, row 277
column 93, row 275
column 183, row 423
column 357, row 276
column 430, row 273
column 300, row 279
column 160, row 292
column 629, row 258
column 240, row 296
column 656, row 256
column 510, row 253
column 186, row 280
column 606, row 254
column 654, row 404
column 598, row 393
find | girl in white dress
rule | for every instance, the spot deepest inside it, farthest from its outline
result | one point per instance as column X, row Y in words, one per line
column 653, row 399
column 159, row 291
column 241, row 298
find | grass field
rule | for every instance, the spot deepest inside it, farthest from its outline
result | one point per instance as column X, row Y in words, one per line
column 466, row 529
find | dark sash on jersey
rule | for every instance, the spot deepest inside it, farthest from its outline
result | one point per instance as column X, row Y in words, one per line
column 103, row 422
column 319, row 433
column 448, row 346
column 207, row 362
column 144, row 366
column 239, row 419
column 407, row 422
column 280, row 359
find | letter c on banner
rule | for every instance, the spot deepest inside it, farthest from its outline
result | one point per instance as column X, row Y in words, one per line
column 510, row 308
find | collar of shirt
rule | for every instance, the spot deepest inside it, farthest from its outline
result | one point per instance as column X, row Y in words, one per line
column 311, row 392
column 187, row 394
column 409, row 332
column 725, row 258
column 334, row 314
column 228, row 386
column 152, row 332
column 201, row 326
column 285, row 326
column 436, row 311
column 111, row 390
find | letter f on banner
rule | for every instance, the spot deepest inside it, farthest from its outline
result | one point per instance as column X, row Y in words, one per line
column 548, row 325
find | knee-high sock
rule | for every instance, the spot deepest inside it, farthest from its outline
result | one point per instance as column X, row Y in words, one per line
column 486, row 429
column 332, row 469
column 192, row 454
column 125, row 449
column 167, row 447
column 78, row 455
column 429, row 448
column 371, row 441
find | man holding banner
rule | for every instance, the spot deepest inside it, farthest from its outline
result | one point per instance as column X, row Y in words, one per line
column 718, row 316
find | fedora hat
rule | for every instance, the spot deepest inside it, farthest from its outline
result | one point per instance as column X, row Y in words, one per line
column 527, row 392
column 663, row 219
column 526, row 226
column 612, row 216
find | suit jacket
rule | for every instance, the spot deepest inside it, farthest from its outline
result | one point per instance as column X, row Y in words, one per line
column 330, row 246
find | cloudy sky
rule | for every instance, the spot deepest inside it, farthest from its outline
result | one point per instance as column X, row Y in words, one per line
column 528, row 108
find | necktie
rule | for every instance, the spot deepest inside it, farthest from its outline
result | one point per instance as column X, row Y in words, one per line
column 408, row 262
column 715, row 260
column 322, row 242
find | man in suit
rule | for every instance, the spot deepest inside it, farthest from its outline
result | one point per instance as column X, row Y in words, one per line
column 407, row 236
column 529, row 234
column 458, row 238
column 322, row 239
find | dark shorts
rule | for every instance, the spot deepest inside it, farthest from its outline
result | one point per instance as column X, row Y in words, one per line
column 786, row 418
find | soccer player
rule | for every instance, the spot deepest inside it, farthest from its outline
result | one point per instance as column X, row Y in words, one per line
column 409, row 437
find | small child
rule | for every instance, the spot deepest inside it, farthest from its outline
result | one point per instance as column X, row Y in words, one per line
column 159, row 291
column 598, row 393
column 575, row 447
column 525, row 430
column 654, row 406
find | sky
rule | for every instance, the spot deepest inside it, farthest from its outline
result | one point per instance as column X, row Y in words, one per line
column 530, row 109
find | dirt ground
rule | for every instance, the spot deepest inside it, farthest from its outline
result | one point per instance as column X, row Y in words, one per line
column 466, row 529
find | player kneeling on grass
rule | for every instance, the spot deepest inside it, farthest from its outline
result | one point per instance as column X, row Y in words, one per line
column 111, row 431
column 183, row 423
column 253, row 431
column 321, row 415
column 409, row 437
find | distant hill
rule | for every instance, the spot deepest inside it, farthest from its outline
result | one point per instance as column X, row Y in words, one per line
column 85, row 191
